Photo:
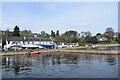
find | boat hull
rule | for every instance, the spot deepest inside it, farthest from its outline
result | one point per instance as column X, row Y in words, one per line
column 37, row 52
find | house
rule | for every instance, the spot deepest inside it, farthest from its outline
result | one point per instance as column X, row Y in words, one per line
column 102, row 39
column 116, row 34
column 62, row 45
column 29, row 42
column 40, row 42
column 13, row 41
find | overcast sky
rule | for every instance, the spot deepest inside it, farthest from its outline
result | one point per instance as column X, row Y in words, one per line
column 46, row 16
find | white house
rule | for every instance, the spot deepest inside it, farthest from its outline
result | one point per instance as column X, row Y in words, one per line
column 29, row 42
column 62, row 45
column 102, row 39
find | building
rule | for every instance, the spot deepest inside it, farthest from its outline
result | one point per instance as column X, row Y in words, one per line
column 102, row 39
column 116, row 34
column 62, row 45
column 29, row 42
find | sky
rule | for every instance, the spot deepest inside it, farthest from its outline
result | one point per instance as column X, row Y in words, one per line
column 63, row 16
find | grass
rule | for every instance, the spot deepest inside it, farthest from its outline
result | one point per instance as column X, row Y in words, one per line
column 114, row 42
column 25, row 50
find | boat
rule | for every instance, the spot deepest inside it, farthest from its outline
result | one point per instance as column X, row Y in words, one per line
column 35, row 52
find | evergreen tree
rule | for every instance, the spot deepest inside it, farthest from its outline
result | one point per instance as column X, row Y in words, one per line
column 57, row 33
column 52, row 33
column 16, row 31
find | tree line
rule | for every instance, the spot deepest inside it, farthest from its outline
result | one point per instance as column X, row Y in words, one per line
column 66, row 37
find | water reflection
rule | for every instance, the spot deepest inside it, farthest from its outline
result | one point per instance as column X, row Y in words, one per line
column 111, row 60
column 57, row 64
column 16, row 64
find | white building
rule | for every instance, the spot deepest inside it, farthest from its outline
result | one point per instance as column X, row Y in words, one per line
column 102, row 39
column 29, row 42
column 62, row 45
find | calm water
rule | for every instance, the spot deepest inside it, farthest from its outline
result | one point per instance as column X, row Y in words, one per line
column 60, row 65
column 109, row 48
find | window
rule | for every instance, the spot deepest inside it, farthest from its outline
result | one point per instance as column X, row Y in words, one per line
column 33, row 42
column 8, row 42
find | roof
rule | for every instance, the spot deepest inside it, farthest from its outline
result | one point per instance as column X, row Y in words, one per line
column 37, row 39
column 27, row 39
column 15, row 39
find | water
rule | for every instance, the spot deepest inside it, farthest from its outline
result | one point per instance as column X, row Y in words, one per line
column 109, row 48
column 60, row 65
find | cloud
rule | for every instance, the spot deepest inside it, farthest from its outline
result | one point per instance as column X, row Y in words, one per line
column 63, row 16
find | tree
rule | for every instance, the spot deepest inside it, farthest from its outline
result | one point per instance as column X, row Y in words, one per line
column 110, row 32
column 8, row 33
column 98, row 34
column 0, row 39
column 94, row 40
column 16, row 31
column 71, row 36
column 85, row 34
column 88, row 33
column 88, row 39
column 118, row 39
column 43, row 33
column 47, row 35
column 3, row 38
column 4, row 35
column 75, row 40
column 57, row 33
column 59, row 39
column 26, row 33
column 52, row 33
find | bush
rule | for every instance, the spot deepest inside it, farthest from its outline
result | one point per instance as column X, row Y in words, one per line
column 81, row 44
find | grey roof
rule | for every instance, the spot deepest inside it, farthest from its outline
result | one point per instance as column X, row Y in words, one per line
column 37, row 39
column 27, row 39
column 15, row 39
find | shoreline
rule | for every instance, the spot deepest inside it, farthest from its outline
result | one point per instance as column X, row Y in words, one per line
column 95, row 46
column 109, row 52
column 106, row 52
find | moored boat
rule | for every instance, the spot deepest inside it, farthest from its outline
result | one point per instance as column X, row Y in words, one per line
column 35, row 52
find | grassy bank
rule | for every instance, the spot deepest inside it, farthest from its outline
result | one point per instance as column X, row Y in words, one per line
column 25, row 50
column 114, row 42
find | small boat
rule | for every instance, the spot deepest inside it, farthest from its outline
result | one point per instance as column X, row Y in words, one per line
column 35, row 52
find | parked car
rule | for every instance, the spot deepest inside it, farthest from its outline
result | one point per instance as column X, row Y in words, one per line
column 15, row 48
column 18, row 48
column 11, row 48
